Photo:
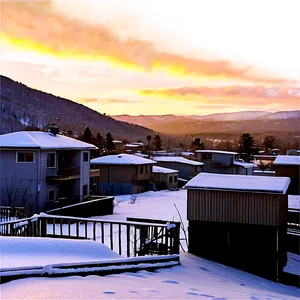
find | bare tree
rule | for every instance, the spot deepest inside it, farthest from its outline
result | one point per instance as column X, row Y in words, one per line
column 11, row 190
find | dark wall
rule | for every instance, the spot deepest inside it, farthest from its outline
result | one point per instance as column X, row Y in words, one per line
column 251, row 248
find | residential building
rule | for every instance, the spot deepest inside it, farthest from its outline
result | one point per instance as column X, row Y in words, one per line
column 223, row 162
column 240, row 221
column 187, row 168
column 289, row 165
column 293, row 152
column 123, row 174
column 165, row 178
column 42, row 170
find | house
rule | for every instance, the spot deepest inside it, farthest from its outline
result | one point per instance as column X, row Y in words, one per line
column 134, row 147
column 240, row 221
column 40, row 170
column 223, row 162
column 118, row 145
column 293, row 152
column 187, row 168
column 165, row 178
column 123, row 174
column 289, row 165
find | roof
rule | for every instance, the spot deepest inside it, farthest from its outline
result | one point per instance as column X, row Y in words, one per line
column 216, row 151
column 157, row 169
column 177, row 159
column 41, row 140
column 244, row 164
column 287, row 160
column 121, row 159
column 294, row 201
column 213, row 181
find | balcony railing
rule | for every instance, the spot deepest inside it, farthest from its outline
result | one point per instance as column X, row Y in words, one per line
column 63, row 172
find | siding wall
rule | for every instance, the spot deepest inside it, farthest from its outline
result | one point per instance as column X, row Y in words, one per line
column 237, row 207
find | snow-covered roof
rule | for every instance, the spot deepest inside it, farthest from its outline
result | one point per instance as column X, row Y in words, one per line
column 216, row 151
column 287, row 160
column 244, row 164
column 132, row 145
column 239, row 183
column 121, row 159
column 41, row 140
column 177, row 159
column 157, row 169
column 187, row 153
column 294, row 201
column 117, row 142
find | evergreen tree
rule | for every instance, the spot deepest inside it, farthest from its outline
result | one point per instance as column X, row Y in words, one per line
column 157, row 142
column 197, row 144
column 247, row 147
column 99, row 141
column 87, row 136
column 109, row 145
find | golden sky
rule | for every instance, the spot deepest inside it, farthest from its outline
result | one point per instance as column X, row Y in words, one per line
column 156, row 57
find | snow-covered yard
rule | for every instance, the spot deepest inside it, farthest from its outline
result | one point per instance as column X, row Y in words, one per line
column 196, row 278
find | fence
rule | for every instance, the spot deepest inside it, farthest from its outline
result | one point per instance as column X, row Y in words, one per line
column 127, row 238
column 11, row 213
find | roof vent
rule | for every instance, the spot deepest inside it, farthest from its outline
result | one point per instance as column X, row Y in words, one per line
column 120, row 156
column 54, row 130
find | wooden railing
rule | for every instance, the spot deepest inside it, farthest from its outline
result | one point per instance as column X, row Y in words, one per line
column 127, row 238
column 8, row 213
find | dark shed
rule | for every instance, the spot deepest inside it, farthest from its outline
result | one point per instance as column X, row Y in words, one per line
column 239, row 220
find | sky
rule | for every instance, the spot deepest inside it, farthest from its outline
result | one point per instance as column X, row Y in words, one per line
column 146, row 57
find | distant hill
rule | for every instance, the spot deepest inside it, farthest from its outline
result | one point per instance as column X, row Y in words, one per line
column 248, row 121
column 22, row 106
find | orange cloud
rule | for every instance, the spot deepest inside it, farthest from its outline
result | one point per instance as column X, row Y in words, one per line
column 36, row 26
column 104, row 101
column 236, row 92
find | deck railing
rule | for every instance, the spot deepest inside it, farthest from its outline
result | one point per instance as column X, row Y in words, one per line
column 8, row 213
column 124, row 237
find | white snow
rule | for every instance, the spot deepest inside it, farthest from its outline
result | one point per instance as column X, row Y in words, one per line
column 122, row 159
column 287, row 160
column 217, row 152
column 157, row 169
column 244, row 164
column 294, row 201
column 196, row 278
column 239, row 182
column 41, row 140
column 177, row 159
column 21, row 252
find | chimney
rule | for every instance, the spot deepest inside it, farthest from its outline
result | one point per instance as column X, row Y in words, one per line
column 54, row 130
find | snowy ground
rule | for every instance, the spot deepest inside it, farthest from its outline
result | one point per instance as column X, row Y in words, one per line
column 21, row 252
column 196, row 278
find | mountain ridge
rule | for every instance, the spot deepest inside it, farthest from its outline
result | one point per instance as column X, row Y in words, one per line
column 23, row 106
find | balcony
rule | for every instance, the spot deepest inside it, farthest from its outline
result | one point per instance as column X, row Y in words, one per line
column 63, row 173
column 94, row 172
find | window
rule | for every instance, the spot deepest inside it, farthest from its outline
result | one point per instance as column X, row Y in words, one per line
column 85, row 157
column 206, row 156
column 141, row 169
column 171, row 179
column 175, row 178
column 51, row 160
column 85, row 190
column 51, row 195
column 27, row 157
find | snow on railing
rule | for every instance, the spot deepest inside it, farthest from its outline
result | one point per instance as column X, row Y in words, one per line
column 128, row 238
